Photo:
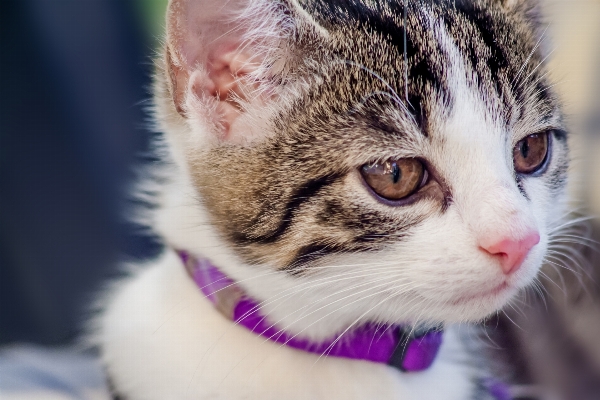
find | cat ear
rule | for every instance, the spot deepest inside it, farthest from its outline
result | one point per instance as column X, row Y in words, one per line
column 226, row 57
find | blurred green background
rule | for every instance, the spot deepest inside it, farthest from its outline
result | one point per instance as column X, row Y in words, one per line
column 153, row 16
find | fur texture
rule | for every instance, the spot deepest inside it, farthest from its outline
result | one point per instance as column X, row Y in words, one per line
column 269, row 109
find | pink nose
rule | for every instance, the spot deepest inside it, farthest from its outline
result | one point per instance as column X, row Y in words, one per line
column 511, row 252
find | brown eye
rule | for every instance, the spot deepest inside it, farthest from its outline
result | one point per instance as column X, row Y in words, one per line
column 394, row 179
column 530, row 153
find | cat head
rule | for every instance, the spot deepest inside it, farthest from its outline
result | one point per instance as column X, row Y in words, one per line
column 408, row 158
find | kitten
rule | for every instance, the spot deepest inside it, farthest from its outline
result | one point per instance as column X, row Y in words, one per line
column 338, row 167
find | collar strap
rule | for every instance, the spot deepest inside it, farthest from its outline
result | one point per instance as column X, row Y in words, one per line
column 390, row 344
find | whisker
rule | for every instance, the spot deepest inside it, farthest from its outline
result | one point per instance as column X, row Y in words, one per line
column 349, row 327
column 574, row 221
column 511, row 320
column 530, row 55
column 537, row 66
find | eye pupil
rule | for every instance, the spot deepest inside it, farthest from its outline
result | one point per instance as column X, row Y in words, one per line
column 525, row 148
column 396, row 173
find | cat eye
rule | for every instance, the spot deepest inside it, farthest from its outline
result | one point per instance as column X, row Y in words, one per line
column 394, row 179
column 530, row 154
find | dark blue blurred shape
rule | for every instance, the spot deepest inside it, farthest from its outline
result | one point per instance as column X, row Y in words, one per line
column 72, row 76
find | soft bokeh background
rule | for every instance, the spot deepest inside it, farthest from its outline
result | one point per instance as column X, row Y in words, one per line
column 74, row 78
column 73, row 84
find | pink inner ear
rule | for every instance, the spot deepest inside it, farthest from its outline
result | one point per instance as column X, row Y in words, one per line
column 195, row 27
column 228, row 73
column 209, row 64
column 224, row 84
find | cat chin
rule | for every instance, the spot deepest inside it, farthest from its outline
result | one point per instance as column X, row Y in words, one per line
column 476, row 306
column 499, row 291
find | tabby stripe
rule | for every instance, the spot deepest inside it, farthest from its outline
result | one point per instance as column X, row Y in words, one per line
column 302, row 194
column 421, row 64
column 316, row 250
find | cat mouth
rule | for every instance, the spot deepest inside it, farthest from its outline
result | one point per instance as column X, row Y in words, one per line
column 484, row 295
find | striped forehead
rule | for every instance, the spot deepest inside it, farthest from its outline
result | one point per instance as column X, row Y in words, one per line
column 492, row 53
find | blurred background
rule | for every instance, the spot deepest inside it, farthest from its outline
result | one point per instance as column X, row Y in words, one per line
column 74, row 79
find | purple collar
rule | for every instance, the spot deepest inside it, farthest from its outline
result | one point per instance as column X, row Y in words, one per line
column 371, row 342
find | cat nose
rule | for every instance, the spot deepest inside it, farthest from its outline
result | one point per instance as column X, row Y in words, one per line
column 511, row 251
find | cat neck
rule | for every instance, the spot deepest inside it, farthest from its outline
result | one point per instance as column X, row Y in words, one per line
column 401, row 347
